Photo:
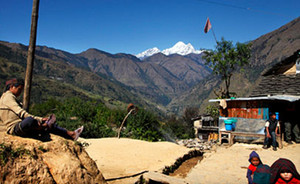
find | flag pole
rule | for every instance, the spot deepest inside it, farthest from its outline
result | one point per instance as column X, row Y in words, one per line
column 214, row 35
column 207, row 27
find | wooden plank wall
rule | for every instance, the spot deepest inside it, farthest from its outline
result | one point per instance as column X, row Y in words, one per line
column 245, row 109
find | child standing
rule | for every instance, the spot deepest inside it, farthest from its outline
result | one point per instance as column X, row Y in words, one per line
column 284, row 172
column 254, row 162
column 271, row 131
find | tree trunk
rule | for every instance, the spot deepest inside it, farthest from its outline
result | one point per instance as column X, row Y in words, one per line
column 227, row 84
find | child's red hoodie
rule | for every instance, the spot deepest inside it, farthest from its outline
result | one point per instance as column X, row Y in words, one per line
column 251, row 167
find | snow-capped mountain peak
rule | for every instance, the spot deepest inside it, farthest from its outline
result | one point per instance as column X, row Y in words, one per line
column 179, row 48
column 148, row 53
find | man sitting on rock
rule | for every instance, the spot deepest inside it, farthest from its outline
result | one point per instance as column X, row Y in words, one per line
column 21, row 123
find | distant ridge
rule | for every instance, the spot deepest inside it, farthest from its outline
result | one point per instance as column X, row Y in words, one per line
column 266, row 51
column 152, row 82
column 148, row 53
column 179, row 48
column 168, row 81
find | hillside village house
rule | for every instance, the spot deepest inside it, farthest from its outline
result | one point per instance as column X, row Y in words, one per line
column 279, row 92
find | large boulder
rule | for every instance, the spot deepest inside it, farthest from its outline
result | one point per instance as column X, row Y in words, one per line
column 25, row 160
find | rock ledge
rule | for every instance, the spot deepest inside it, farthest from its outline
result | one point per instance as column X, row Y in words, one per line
column 24, row 160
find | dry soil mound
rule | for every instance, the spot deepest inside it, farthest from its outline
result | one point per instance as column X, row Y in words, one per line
column 123, row 157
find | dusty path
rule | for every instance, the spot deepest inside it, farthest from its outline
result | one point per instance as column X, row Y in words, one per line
column 123, row 157
column 228, row 164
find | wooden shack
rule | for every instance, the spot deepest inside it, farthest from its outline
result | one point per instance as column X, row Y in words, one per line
column 205, row 128
column 278, row 91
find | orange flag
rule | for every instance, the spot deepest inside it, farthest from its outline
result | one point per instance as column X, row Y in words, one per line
column 207, row 26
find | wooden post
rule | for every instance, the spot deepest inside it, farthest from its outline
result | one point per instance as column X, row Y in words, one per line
column 31, row 52
column 119, row 132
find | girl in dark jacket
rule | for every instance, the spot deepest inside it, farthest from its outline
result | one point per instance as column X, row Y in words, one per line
column 284, row 172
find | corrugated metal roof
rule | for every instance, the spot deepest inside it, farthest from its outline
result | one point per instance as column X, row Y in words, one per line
column 289, row 98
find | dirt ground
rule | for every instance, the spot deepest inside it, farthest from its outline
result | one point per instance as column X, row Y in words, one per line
column 229, row 164
column 117, row 158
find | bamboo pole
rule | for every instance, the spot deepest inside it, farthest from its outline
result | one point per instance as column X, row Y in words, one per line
column 31, row 52
column 214, row 35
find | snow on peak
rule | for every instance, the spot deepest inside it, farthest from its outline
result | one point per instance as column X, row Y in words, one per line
column 179, row 48
column 148, row 53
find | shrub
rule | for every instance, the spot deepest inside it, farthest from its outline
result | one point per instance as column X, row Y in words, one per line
column 98, row 120
column 177, row 128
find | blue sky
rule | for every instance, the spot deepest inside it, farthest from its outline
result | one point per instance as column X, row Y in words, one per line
column 132, row 26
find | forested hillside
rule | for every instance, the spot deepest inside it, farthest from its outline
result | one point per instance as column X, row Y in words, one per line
column 164, row 84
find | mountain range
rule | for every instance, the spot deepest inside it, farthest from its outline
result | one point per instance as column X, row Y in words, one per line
column 179, row 48
column 165, row 81
column 266, row 51
column 152, row 82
